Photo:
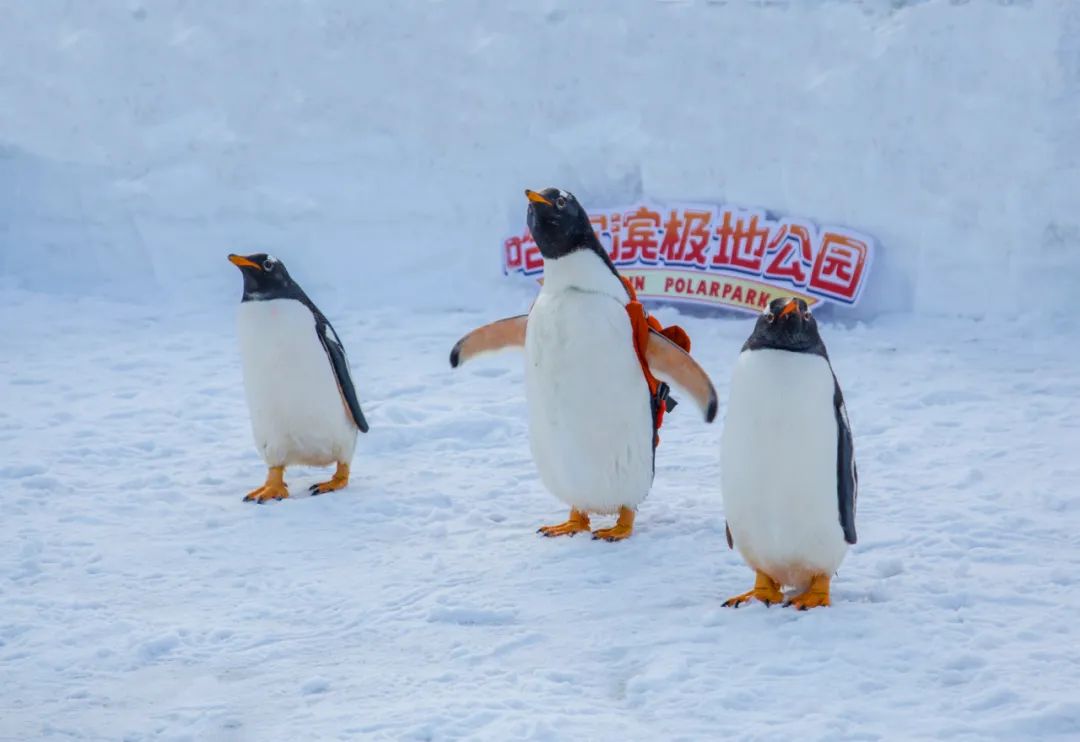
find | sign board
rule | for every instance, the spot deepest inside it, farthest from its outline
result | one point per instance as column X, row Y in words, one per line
column 719, row 255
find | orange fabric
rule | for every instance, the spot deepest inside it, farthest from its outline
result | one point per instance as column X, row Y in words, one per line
column 641, row 322
column 678, row 336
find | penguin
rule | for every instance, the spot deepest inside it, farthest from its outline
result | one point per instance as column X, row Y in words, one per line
column 304, row 408
column 593, row 417
column 787, row 461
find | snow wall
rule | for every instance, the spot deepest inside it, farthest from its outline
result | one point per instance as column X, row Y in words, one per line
column 381, row 149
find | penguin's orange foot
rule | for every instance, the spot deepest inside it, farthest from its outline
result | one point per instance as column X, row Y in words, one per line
column 267, row 492
column 766, row 590
column 766, row 597
column 577, row 523
column 621, row 530
column 615, row 533
column 340, row 480
column 274, row 489
column 815, row 596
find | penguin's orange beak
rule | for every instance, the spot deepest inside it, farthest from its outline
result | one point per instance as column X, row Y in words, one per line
column 791, row 306
column 241, row 262
column 536, row 198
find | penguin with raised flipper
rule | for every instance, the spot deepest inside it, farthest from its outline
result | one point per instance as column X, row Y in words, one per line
column 787, row 460
column 593, row 356
column 304, row 408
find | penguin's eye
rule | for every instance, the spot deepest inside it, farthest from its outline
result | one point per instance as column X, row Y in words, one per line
column 808, row 315
column 769, row 317
column 560, row 202
column 268, row 265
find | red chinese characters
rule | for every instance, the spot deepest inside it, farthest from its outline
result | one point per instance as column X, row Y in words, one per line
column 838, row 267
column 513, row 256
column 696, row 242
column 521, row 255
column 686, row 237
column 608, row 228
column 641, row 237
column 790, row 253
column 742, row 237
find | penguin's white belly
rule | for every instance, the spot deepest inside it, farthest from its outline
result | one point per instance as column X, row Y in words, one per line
column 298, row 415
column 778, row 459
column 590, row 422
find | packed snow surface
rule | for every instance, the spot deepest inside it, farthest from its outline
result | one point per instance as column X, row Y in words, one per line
column 142, row 599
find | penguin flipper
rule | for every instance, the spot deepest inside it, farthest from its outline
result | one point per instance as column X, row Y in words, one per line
column 504, row 333
column 847, row 475
column 338, row 361
column 668, row 360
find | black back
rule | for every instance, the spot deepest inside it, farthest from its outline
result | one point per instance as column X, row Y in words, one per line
column 847, row 474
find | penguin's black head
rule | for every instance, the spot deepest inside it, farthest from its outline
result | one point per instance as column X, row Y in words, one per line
column 559, row 224
column 787, row 325
column 265, row 277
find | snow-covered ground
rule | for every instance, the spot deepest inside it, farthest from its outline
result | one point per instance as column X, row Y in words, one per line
column 142, row 599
